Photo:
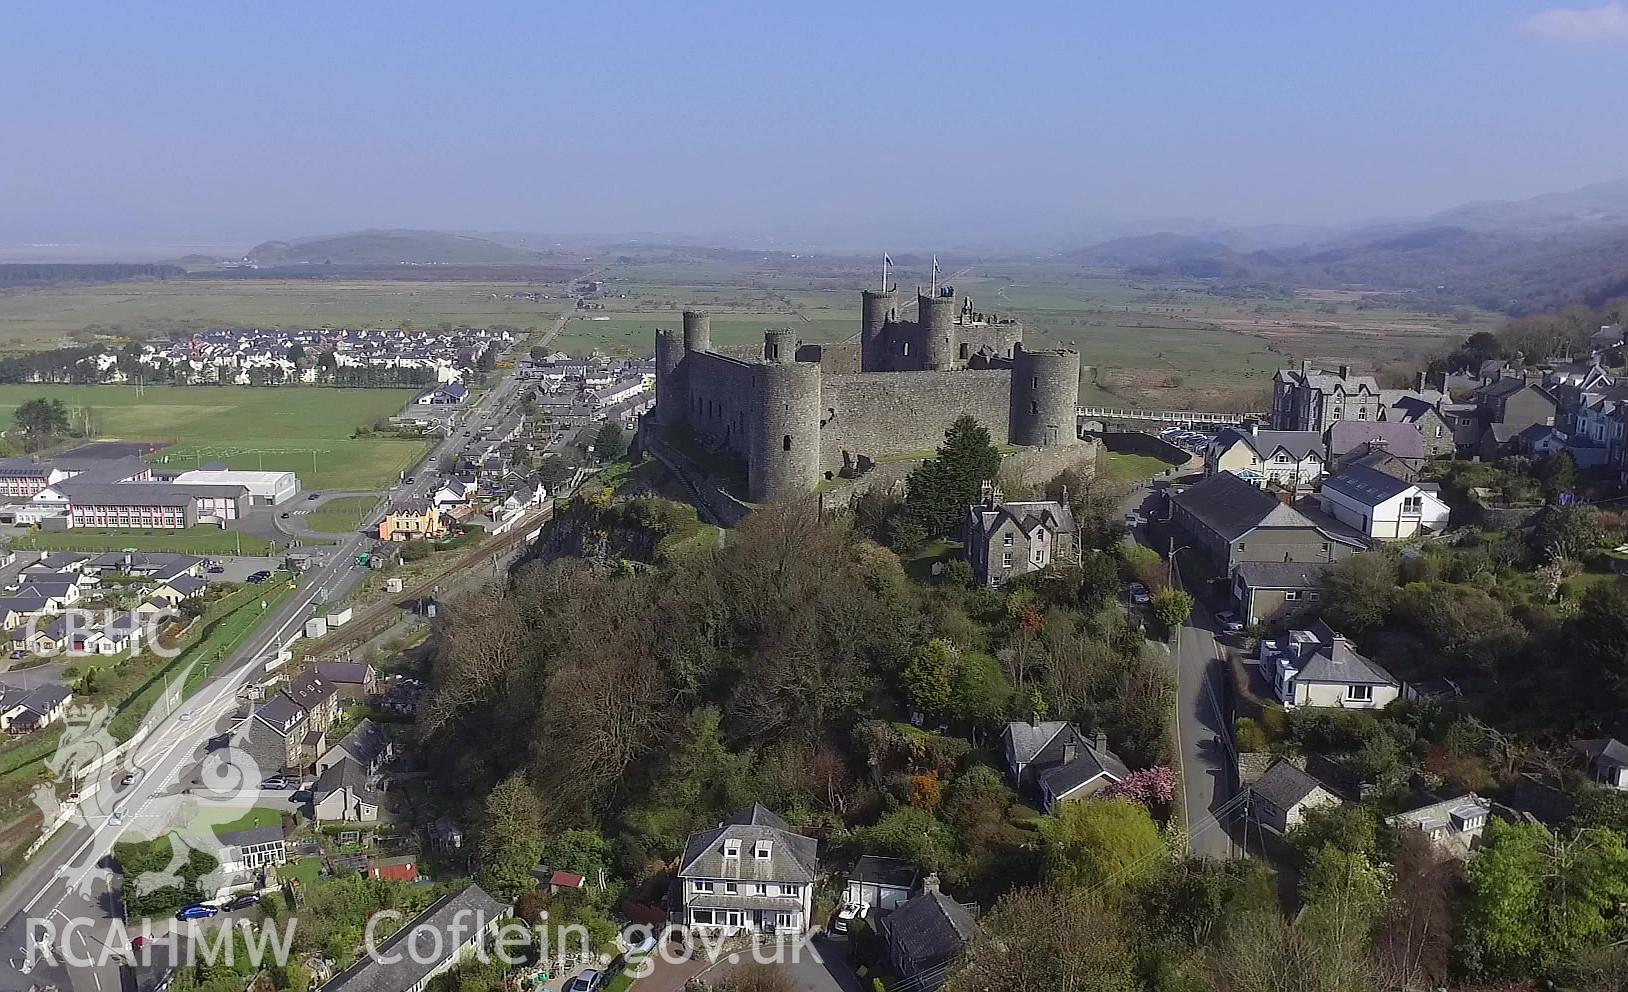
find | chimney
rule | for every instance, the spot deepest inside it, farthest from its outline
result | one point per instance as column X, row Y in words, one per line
column 1305, row 366
column 1421, row 387
column 1099, row 741
column 1070, row 750
column 1345, row 371
column 1254, row 428
column 930, row 883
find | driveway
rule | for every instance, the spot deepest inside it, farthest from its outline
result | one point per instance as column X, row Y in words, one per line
column 814, row 964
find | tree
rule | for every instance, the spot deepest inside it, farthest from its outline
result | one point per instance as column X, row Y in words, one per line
column 582, row 851
column 941, row 489
column 611, row 442
column 1359, row 591
column 296, row 353
column 1569, row 531
column 327, row 364
column 1099, row 581
column 41, row 420
column 1172, row 607
column 1051, row 939
column 511, row 841
column 931, row 677
column 1152, row 787
column 912, row 834
column 1100, row 843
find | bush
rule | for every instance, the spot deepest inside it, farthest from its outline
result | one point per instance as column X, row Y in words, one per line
column 1172, row 607
column 957, row 573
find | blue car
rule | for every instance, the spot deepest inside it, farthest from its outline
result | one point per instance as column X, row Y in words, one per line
column 197, row 912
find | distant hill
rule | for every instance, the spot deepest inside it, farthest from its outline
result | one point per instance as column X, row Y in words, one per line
column 1602, row 205
column 391, row 248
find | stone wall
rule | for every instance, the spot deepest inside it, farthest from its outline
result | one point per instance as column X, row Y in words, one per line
column 894, row 413
column 1143, row 443
column 721, row 400
column 1038, row 466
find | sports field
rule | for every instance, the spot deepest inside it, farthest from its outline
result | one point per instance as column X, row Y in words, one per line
column 302, row 429
column 339, row 516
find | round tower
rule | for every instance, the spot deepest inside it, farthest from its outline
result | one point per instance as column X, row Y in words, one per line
column 697, row 330
column 876, row 309
column 1045, row 396
column 936, row 317
column 784, row 460
column 779, row 345
column 670, row 395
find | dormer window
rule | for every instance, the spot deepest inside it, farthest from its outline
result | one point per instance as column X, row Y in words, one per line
column 732, row 848
column 761, row 852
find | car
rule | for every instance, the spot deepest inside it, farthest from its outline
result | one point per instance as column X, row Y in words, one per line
column 274, row 784
column 241, row 901
column 1139, row 594
column 137, row 943
column 285, row 514
column 587, row 981
column 1229, row 621
column 19, row 653
column 847, row 914
column 186, row 716
column 129, row 779
column 313, row 496
column 1133, row 519
column 216, row 569
column 117, row 817
column 409, row 480
column 197, row 911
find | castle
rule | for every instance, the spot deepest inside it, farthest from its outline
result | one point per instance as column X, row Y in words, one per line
column 797, row 414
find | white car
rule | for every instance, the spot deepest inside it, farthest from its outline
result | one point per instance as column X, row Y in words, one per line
column 847, row 914
column 1139, row 594
column 1229, row 621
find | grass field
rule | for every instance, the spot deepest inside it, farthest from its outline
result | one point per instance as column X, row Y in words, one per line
column 301, row 429
column 200, row 540
column 340, row 516
column 1131, row 468
column 33, row 319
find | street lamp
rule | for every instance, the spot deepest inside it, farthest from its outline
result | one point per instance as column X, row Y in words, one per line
column 1170, row 577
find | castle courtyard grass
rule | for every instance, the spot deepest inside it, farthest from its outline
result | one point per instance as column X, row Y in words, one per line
column 301, row 429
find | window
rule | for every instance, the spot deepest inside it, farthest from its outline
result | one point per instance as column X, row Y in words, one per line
column 702, row 886
column 1412, row 504
column 1362, row 413
column 732, row 848
column 762, row 850
column 1292, row 594
column 701, row 916
column 906, row 349
column 1034, row 383
column 1006, row 540
column 788, row 890
column 785, row 443
column 783, row 921
column 1359, row 693
column 1034, row 407
column 760, row 889
column 1314, row 596
column 1239, row 547
column 730, row 888
column 1325, row 547
column 1006, row 560
column 963, row 350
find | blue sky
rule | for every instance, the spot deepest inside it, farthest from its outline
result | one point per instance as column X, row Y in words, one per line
column 826, row 123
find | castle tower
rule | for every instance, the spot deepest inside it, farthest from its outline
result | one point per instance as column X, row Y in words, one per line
column 671, row 397
column 876, row 310
column 779, row 345
column 697, row 330
column 1045, row 396
column 784, row 457
column 936, row 317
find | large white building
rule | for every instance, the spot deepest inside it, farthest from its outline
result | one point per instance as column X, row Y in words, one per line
column 1382, row 506
column 751, row 873
column 265, row 488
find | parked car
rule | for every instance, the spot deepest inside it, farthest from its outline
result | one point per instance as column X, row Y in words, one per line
column 241, row 901
column 216, row 569
column 259, row 577
column 274, row 784
column 313, row 495
column 1139, row 594
column 847, row 914
column 197, row 911
column 129, row 778
column 19, row 653
column 1229, row 621
column 588, row 981
column 285, row 514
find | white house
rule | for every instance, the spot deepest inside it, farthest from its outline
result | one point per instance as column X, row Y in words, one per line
column 1607, row 760
column 881, row 883
column 752, row 873
column 1318, row 667
column 1292, row 459
column 1454, row 826
column 1382, row 506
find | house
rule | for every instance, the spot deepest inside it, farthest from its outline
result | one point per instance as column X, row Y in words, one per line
column 58, row 594
column 1271, row 591
column 563, row 881
column 1516, row 402
column 926, row 935
column 445, row 835
column 445, row 394
column 26, row 710
column 1454, row 826
column 1431, row 416
column 1319, row 667
column 345, row 792
column 881, row 883
column 1288, row 459
column 314, row 694
column 1383, row 507
column 354, row 681
column 1052, row 761
column 252, row 850
column 124, row 633
column 1541, row 439
column 751, row 873
column 1005, row 540
column 177, row 589
column 365, row 745
column 1231, row 521
column 274, row 735
column 15, row 610
column 1311, row 399
column 1284, row 794
column 413, row 519
column 1607, row 760
column 1352, row 439
column 430, row 944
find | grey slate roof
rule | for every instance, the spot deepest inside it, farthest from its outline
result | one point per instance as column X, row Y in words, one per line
column 1402, row 439
column 1368, row 486
column 1338, row 662
column 893, row 872
column 365, row 743
column 1089, row 763
column 1027, row 515
column 1282, row 574
column 1285, row 784
column 1232, row 507
column 1299, row 445
column 252, row 837
column 1029, row 739
column 281, row 714
column 1604, row 749
column 930, row 928
column 344, row 774
column 470, row 908
column 791, row 855
column 342, row 672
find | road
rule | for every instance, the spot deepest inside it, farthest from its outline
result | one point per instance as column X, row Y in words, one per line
column 65, row 881
column 1203, row 741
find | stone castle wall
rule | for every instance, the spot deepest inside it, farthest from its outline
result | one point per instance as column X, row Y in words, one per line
column 878, row 414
